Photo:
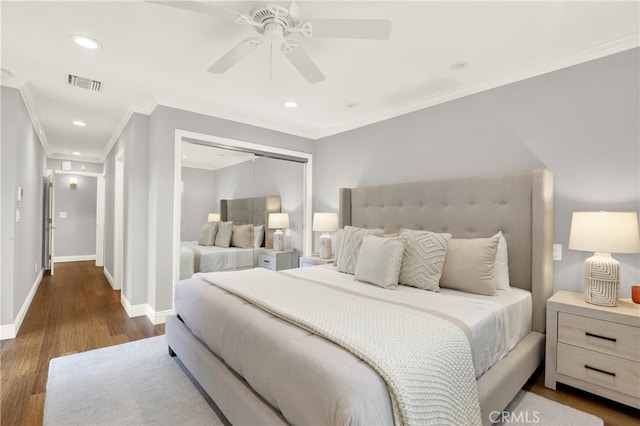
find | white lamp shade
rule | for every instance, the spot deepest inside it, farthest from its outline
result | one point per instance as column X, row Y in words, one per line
column 325, row 222
column 605, row 232
column 278, row 220
column 213, row 217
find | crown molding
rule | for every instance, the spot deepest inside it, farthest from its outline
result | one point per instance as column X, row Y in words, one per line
column 27, row 98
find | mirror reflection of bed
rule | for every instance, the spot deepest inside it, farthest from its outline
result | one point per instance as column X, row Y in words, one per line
column 238, row 187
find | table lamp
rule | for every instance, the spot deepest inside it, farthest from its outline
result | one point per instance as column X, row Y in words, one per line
column 278, row 221
column 325, row 223
column 213, row 217
column 603, row 233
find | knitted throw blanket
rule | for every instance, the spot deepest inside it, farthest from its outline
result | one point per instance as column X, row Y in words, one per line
column 425, row 360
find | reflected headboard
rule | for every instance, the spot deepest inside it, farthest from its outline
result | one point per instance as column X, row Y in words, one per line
column 254, row 211
column 520, row 205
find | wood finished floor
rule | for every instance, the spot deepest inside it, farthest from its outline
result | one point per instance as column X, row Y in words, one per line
column 73, row 311
column 76, row 310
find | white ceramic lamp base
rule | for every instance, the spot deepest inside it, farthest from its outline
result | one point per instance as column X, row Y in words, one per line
column 601, row 280
column 325, row 246
column 278, row 240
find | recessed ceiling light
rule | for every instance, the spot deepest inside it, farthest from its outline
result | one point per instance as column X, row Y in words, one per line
column 76, row 153
column 460, row 65
column 86, row 42
column 290, row 104
column 79, row 123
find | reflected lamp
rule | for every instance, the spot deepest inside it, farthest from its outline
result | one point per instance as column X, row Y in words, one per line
column 278, row 221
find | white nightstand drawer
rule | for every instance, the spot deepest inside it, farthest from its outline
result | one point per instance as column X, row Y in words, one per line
column 268, row 262
column 599, row 369
column 603, row 336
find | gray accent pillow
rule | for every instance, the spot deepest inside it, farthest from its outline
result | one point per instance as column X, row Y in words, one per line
column 350, row 247
column 469, row 265
column 223, row 237
column 208, row 234
column 242, row 236
column 423, row 259
column 379, row 260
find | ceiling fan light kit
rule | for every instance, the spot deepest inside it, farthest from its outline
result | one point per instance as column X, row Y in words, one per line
column 276, row 24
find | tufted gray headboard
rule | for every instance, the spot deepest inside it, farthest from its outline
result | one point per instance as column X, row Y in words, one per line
column 254, row 211
column 520, row 205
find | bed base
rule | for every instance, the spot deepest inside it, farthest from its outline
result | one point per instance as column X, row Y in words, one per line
column 241, row 405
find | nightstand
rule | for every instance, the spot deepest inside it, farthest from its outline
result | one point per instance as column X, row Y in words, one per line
column 279, row 260
column 594, row 348
column 314, row 260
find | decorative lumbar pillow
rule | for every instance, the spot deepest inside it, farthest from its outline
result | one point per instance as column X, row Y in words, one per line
column 423, row 258
column 242, row 236
column 258, row 236
column 469, row 265
column 379, row 260
column 351, row 242
column 223, row 237
column 208, row 234
column 501, row 269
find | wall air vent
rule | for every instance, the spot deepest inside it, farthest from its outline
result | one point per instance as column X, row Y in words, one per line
column 85, row 83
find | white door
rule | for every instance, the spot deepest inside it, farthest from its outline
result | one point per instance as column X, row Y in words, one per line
column 118, row 222
column 100, row 220
column 50, row 222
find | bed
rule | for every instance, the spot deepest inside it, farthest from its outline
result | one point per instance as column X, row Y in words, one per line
column 519, row 204
column 198, row 258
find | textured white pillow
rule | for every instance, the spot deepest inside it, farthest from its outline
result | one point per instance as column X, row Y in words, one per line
column 208, row 234
column 423, row 259
column 223, row 237
column 258, row 236
column 379, row 260
column 350, row 247
column 501, row 269
column 242, row 236
column 469, row 265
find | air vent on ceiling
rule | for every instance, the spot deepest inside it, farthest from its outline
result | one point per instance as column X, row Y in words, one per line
column 85, row 83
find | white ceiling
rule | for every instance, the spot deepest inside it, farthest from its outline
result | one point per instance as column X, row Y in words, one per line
column 157, row 55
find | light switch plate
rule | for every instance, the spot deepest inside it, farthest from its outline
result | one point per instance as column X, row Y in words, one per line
column 557, row 252
column 63, row 214
column 17, row 215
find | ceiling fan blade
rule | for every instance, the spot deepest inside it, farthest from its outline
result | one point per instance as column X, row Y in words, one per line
column 202, row 7
column 235, row 55
column 376, row 29
column 301, row 61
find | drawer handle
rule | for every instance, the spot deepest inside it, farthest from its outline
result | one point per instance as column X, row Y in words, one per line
column 588, row 367
column 611, row 339
column 266, row 261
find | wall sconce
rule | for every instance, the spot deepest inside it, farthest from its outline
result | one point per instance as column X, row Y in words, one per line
column 73, row 182
column 213, row 217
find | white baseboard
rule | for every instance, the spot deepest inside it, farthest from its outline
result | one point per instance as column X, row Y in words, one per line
column 133, row 310
column 158, row 317
column 10, row 331
column 108, row 275
column 80, row 258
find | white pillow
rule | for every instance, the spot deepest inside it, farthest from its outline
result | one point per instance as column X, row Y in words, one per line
column 423, row 259
column 223, row 237
column 258, row 236
column 501, row 268
column 379, row 260
column 350, row 247
column 208, row 234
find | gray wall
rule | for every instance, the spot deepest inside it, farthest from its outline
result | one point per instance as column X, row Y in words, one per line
column 582, row 123
column 75, row 235
column 198, row 200
column 23, row 164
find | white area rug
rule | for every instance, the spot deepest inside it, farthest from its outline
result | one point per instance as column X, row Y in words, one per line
column 138, row 383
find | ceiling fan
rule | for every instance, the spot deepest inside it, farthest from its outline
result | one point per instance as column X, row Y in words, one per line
column 277, row 24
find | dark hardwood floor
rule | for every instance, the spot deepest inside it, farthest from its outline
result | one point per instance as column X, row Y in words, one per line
column 76, row 310
column 73, row 311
